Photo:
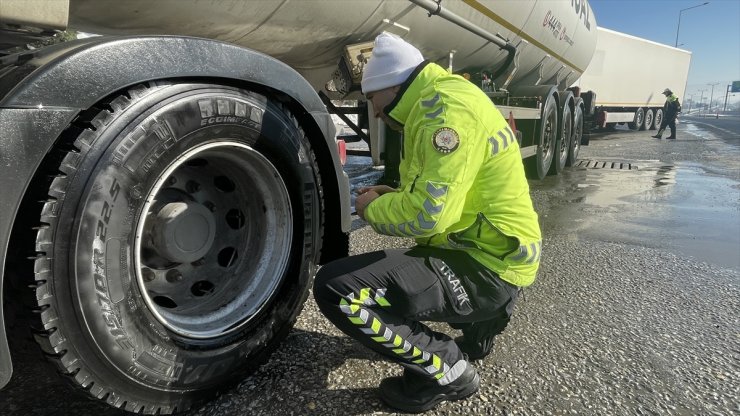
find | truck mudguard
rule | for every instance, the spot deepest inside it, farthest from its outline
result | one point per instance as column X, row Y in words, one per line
column 42, row 91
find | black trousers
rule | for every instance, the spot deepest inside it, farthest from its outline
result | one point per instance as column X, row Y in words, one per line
column 669, row 122
column 381, row 299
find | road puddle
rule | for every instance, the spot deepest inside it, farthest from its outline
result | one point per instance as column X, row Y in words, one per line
column 683, row 206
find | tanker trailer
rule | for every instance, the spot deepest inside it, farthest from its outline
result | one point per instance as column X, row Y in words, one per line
column 170, row 188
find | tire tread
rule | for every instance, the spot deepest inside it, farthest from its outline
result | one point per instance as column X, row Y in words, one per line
column 74, row 143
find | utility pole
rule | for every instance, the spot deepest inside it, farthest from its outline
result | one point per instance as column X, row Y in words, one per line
column 712, row 96
column 691, row 101
column 701, row 100
column 727, row 94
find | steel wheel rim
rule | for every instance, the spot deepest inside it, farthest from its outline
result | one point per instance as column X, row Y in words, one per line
column 577, row 133
column 246, row 244
column 565, row 142
column 548, row 145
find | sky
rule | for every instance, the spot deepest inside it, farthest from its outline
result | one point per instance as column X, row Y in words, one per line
column 710, row 32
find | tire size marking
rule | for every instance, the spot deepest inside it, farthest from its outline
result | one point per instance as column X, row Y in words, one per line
column 110, row 317
column 112, row 321
column 101, row 230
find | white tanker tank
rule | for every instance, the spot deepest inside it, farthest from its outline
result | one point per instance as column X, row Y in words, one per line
column 532, row 50
column 524, row 53
column 555, row 40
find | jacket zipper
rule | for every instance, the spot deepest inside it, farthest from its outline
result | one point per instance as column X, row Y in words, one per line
column 421, row 169
column 413, row 184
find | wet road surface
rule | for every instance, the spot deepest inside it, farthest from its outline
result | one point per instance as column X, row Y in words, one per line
column 635, row 309
column 679, row 206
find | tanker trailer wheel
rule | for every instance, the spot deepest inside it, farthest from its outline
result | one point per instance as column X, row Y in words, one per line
column 562, row 143
column 649, row 118
column 639, row 121
column 658, row 118
column 546, row 133
column 577, row 136
column 176, row 244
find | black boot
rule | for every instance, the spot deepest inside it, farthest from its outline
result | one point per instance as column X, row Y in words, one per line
column 659, row 135
column 671, row 138
column 415, row 393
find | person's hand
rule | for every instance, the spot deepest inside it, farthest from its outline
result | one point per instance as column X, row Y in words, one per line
column 379, row 189
column 363, row 200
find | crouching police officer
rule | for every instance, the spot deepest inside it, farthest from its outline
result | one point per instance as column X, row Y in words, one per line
column 464, row 198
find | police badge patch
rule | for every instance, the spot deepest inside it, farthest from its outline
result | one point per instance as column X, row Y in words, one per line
column 445, row 140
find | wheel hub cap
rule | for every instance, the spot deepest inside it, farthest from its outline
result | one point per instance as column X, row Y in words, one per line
column 183, row 232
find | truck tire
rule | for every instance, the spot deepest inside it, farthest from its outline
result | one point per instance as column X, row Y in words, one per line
column 658, row 118
column 576, row 137
column 639, row 121
column 546, row 132
column 563, row 141
column 649, row 118
column 176, row 244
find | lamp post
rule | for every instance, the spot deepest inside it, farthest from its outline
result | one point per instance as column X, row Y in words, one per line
column 679, row 18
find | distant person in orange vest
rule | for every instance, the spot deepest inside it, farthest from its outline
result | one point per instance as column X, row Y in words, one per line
column 670, row 112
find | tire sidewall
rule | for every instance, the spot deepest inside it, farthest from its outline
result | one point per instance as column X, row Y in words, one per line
column 544, row 161
column 120, row 337
column 562, row 143
column 639, row 120
column 649, row 119
column 575, row 144
column 658, row 120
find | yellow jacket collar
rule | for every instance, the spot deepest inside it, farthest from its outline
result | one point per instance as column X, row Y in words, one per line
column 424, row 75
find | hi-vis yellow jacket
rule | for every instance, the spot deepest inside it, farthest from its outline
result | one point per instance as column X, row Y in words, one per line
column 462, row 179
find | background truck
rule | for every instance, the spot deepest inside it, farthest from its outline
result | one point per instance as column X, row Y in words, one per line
column 169, row 190
column 627, row 76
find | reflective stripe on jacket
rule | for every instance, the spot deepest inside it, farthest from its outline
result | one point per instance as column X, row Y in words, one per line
column 462, row 178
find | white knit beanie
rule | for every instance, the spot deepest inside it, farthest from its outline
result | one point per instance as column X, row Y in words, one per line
column 391, row 63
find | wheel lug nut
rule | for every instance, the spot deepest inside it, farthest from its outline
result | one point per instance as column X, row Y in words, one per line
column 148, row 275
column 171, row 180
column 174, row 276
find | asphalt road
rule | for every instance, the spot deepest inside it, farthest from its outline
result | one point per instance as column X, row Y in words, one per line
column 634, row 312
column 724, row 126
